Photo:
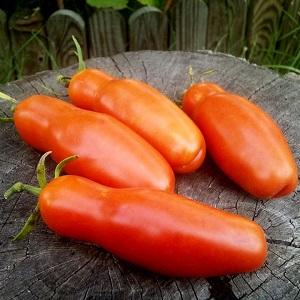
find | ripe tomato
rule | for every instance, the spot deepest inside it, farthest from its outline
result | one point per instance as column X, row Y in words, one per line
column 109, row 152
column 243, row 140
column 157, row 230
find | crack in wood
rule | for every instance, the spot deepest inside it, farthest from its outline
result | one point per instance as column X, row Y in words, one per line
column 220, row 289
column 117, row 66
column 179, row 290
column 71, row 276
column 264, row 86
column 283, row 243
column 145, row 70
column 42, row 272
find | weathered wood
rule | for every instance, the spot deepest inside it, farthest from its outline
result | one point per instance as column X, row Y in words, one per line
column 148, row 29
column 289, row 38
column 6, row 67
column 237, row 20
column 263, row 25
column 217, row 28
column 46, row 266
column 227, row 26
column 189, row 25
column 61, row 26
column 107, row 30
column 29, row 44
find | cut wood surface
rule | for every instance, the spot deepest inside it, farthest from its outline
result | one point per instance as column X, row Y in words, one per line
column 46, row 266
column 61, row 26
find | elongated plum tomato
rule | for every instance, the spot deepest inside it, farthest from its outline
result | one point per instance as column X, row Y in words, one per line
column 145, row 110
column 157, row 230
column 243, row 140
column 109, row 152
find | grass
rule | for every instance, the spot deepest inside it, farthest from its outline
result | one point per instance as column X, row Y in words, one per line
column 283, row 51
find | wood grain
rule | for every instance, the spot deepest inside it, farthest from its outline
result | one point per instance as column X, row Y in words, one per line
column 107, row 33
column 28, row 41
column 189, row 25
column 148, row 29
column 46, row 266
column 237, row 20
column 61, row 26
column 264, row 17
column 6, row 67
column 217, row 27
column 226, row 30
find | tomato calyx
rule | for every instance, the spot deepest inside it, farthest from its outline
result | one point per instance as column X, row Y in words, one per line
column 13, row 101
column 78, row 52
column 19, row 187
column 65, row 80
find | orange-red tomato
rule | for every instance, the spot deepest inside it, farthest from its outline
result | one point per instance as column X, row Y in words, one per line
column 109, row 152
column 157, row 230
column 243, row 140
column 146, row 111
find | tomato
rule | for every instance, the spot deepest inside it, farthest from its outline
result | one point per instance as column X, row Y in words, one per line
column 196, row 93
column 160, row 231
column 109, row 152
column 243, row 140
column 146, row 111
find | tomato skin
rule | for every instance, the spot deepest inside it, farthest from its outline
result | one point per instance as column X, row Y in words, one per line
column 158, row 230
column 109, row 152
column 196, row 93
column 245, row 143
column 146, row 111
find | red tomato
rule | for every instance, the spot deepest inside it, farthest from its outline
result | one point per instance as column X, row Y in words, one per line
column 157, row 230
column 145, row 110
column 243, row 140
column 109, row 152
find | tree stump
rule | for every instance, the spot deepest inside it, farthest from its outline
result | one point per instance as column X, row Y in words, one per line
column 46, row 266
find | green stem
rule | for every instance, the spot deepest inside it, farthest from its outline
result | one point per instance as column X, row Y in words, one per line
column 6, row 120
column 8, row 98
column 41, row 177
column 33, row 218
column 29, row 224
column 13, row 102
column 61, row 165
column 64, row 80
column 19, row 187
column 41, row 170
column 191, row 75
column 78, row 52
